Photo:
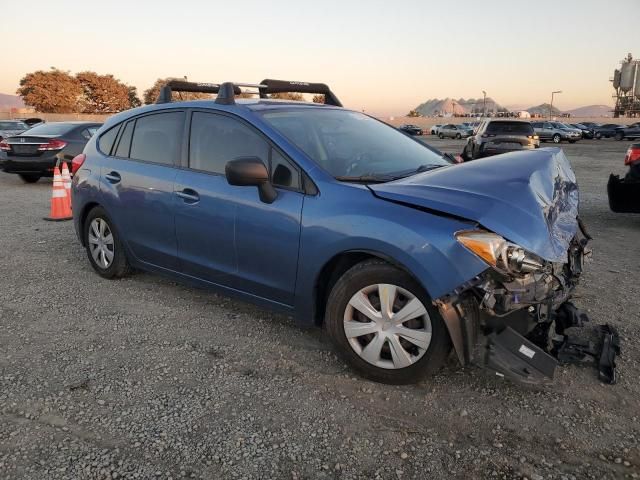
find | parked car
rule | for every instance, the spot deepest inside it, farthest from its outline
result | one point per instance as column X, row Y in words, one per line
column 556, row 132
column 454, row 131
column 496, row 136
column 33, row 121
column 34, row 153
column 411, row 129
column 607, row 130
column 339, row 220
column 9, row 128
column 586, row 131
column 435, row 129
column 624, row 193
column 629, row 132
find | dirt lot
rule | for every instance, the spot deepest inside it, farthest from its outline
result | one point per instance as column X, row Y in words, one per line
column 144, row 378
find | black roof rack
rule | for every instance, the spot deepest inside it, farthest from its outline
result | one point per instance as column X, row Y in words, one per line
column 281, row 86
column 165, row 95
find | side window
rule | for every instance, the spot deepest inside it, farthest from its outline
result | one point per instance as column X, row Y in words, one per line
column 106, row 140
column 217, row 139
column 157, row 138
column 124, row 143
column 283, row 174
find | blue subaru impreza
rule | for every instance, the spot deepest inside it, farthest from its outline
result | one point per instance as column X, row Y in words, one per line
column 342, row 221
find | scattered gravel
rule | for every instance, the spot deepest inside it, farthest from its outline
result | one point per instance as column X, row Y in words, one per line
column 145, row 378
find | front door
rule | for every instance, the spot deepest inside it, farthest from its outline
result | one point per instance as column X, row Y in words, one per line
column 225, row 234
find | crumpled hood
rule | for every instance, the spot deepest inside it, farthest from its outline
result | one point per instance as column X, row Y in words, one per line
column 530, row 198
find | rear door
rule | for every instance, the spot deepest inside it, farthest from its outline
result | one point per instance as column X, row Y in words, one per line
column 136, row 185
column 226, row 234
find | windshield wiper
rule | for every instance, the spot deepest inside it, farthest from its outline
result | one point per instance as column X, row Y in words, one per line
column 367, row 178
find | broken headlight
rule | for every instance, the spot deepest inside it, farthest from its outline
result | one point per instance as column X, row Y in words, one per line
column 499, row 253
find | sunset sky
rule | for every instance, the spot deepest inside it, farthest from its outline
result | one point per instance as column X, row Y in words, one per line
column 380, row 56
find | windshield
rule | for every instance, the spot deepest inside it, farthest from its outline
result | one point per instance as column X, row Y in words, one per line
column 13, row 126
column 51, row 129
column 351, row 144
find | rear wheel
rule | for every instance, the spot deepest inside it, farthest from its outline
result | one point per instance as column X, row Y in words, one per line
column 440, row 136
column 556, row 138
column 384, row 325
column 458, row 136
column 103, row 245
column 619, row 136
column 598, row 135
column 29, row 177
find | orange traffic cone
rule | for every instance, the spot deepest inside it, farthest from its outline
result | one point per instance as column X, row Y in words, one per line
column 60, row 208
column 66, row 180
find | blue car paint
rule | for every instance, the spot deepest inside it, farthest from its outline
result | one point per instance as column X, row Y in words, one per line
column 273, row 254
column 534, row 205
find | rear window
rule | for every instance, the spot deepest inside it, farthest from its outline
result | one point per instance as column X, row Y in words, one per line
column 510, row 128
column 158, row 138
column 13, row 126
column 105, row 143
column 52, row 129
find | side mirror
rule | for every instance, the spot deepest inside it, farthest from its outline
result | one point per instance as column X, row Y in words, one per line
column 251, row 172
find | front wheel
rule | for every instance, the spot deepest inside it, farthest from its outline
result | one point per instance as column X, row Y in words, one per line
column 458, row 136
column 598, row 136
column 556, row 138
column 440, row 136
column 104, row 248
column 29, row 177
column 383, row 324
column 619, row 136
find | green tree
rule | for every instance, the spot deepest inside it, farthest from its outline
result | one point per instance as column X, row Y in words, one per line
column 53, row 91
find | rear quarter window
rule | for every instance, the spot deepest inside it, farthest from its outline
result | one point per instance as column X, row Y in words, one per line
column 106, row 140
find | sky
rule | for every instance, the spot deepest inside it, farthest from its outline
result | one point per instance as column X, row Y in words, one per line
column 379, row 56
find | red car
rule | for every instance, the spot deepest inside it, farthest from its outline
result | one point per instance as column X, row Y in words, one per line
column 624, row 193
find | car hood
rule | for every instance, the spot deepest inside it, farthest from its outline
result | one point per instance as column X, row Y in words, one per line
column 530, row 198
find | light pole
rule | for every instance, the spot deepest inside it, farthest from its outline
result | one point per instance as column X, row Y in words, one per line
column 551, row 106
column 484, row 104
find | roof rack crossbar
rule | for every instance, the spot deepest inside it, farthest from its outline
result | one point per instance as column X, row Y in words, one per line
column 282, row 86
column 165, row 95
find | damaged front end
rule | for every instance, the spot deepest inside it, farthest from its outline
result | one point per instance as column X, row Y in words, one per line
column 512, row 318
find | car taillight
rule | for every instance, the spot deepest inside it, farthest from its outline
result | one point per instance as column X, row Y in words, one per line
column 633, row 155
column 53, row 144
column 4, row 146
column 77, row 162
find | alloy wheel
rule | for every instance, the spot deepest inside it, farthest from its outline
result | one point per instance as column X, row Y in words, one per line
column 101, row 244
column 387, row 326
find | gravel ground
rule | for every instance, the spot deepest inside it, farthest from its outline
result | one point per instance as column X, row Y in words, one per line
column 146, row 378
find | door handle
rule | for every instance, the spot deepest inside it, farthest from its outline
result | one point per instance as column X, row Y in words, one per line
column 113, row 177
column 188, row 195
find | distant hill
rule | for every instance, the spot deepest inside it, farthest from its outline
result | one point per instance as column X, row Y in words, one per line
column 543, row 109
column 10, row 101
column 436, row 106
column 591, row 111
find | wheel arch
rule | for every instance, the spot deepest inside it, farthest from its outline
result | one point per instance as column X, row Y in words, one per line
column 335, row 267
column 84, row 213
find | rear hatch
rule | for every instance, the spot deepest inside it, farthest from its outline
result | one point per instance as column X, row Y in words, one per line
column 509, row 135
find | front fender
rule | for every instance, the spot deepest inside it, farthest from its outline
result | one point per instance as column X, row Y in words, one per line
column 423, row 243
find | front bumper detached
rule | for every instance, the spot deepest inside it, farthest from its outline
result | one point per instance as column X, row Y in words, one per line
column 517, row 326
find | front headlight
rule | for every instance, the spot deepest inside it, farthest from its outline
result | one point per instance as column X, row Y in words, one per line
column 502, row 255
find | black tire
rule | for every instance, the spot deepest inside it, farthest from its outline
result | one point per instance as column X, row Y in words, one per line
column 458, row 136
column 440, row 136
column 368, row 273
column 466, row 156
column 619, row 136
column 598, row 135
column 119, row 266
column 556, row 138
column 29, row 177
